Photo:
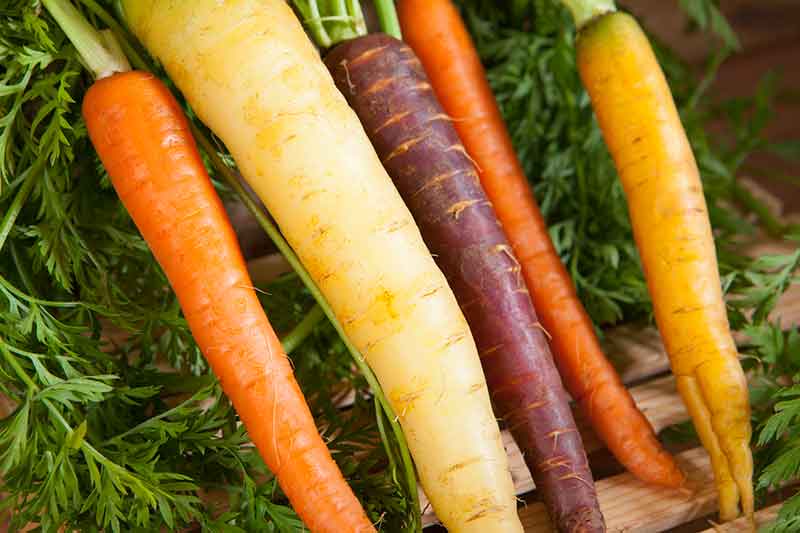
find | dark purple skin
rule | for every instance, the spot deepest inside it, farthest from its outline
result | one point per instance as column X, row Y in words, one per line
column 386, row 85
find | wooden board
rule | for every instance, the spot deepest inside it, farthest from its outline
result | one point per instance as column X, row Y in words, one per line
column 742, row 525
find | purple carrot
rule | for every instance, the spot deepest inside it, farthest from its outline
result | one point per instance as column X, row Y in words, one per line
column 386, row 85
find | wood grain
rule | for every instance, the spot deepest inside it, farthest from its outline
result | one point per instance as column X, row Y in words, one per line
column 742, row 525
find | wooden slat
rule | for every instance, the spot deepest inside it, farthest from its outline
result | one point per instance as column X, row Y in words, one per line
column 631, row 505
column 742, row 525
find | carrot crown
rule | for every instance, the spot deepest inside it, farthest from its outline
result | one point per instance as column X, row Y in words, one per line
column 99, row 50
column 332, row 22
column 584, row 11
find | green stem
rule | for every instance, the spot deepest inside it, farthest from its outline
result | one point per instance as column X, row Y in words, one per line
column 12, row 361
column 332, row 22
column 7, row 285
column 387, row 16
column 121, row 33
column 584, row 11
column 283, row 247
column 24, row 276
column 150, row 421
column 102, row 61
column 312, row 20
column 16, row 204
column 302, row 330
column 709, row 78
column 357, row 17
column 385, row 438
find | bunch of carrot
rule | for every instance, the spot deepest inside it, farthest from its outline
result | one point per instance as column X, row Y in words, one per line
column 434, row 29
column 644, row 134
column 250, row 73
column 144, row 141
column 434, row 173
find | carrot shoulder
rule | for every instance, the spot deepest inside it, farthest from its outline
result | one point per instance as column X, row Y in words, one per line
column 144, row 142
column 385, row 84
column 434, row 29
column 643, row 131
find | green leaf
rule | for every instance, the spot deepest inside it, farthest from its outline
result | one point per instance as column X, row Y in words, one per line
column 77, row 436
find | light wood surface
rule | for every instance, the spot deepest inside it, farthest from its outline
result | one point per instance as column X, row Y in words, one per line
column 742, row 525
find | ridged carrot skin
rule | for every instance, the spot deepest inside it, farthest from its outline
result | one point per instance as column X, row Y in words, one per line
column 643, row 131
column 251, row 74
column 434, row 29
column 386, row 85
column 143, row 139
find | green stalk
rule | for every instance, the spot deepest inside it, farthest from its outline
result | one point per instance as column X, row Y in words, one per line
column 312, row 19
column 357, row 17
column 100, row 59
column 24, row 276
column 387, row 16
column 24, row 191
column 302, row 330
column 18, row 370
column 333, row 21
column 584, row 11
column 122, row 34
column 283, row 247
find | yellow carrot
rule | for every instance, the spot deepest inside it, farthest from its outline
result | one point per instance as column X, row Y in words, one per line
column 643, row 131
column 251, row 74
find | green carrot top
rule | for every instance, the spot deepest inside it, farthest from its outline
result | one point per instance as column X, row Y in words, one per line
column 99, row 50
column 335, row 21
column 584, row 11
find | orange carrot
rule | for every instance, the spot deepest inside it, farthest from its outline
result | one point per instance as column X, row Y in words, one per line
column 144, row 141
column 434, row 29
